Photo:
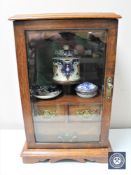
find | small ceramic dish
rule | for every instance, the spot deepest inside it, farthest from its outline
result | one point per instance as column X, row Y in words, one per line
column 86, row 95
column 86, row 90
column 86, row 87
column 46, row 92
column 48, row 96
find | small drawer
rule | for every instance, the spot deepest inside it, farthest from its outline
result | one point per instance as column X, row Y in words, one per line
column 85, row 113
column 49, row 113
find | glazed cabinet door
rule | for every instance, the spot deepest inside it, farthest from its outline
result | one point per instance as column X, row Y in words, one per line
column 54, row 57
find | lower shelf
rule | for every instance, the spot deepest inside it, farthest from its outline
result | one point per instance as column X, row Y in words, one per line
column 53, row 155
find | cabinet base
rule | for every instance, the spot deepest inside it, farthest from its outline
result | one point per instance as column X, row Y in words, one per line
column 53, row 155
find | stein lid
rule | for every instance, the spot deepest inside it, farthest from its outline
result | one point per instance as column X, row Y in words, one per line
column 65, row 52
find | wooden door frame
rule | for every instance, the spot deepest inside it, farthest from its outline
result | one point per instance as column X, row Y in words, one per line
column 20, row 27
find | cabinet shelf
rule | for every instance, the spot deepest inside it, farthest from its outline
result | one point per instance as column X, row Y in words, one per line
column 70, row 99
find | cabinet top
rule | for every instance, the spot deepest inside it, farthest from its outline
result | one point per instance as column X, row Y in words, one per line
column 95, row 15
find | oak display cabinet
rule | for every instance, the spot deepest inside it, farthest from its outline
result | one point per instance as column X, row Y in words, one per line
column 67, row 126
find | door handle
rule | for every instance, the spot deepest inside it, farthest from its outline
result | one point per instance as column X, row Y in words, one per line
column 109, row 87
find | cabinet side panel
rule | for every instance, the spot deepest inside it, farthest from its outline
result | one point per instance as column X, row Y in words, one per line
column 23, row 81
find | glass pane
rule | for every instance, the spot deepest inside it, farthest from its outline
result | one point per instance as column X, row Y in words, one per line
column 54, row 124
column 58, row 63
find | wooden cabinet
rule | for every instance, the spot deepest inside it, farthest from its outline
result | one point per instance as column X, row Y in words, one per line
column 62, row 51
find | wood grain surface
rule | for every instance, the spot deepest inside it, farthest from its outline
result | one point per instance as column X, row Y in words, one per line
column 66, row 16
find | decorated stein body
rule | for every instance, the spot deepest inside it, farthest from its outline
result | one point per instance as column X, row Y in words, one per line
column 66, row 67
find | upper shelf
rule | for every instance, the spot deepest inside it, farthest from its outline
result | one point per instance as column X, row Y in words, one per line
column 95, row 15
column 70, row 99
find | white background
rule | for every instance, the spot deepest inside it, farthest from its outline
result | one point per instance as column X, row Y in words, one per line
column 10, row 107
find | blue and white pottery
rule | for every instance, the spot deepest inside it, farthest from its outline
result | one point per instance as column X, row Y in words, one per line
column 86, row 90
column 45, row 92
column 86, row 87
column 66, row 67
column 86, row 95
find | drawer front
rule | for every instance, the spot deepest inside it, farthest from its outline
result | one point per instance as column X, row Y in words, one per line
column 50, row 113
column 91, row 113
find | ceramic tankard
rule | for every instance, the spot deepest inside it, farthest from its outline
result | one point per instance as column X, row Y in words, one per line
column 66, row 67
